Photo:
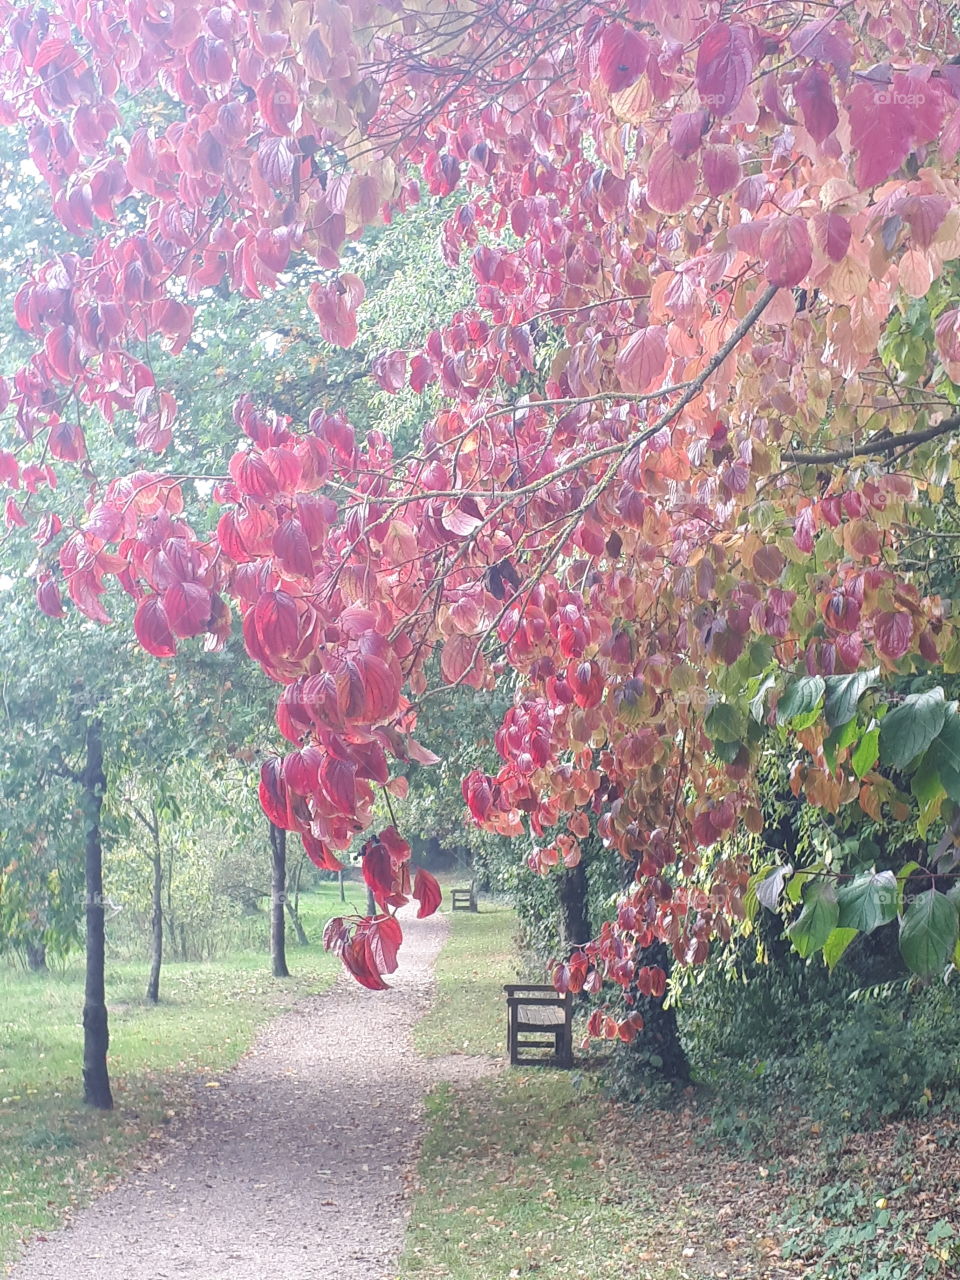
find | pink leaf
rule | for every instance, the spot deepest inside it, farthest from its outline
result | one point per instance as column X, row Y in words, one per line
column 671, row 181
column 724, row 65
column 786, row 250
column 815, row 99
column 641, row 360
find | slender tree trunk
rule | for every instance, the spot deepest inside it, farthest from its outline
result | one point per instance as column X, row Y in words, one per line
column 36, row 953
column 156, row 923
column 96, row 1035
column 278, row 941
column 574, row 909
column 371, row 903
column 293, row 907
column 343, row 892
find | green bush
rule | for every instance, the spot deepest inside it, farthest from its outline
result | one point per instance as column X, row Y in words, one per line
column 773, row 1033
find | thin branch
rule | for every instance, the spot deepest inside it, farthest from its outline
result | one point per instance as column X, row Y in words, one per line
column 879, row 444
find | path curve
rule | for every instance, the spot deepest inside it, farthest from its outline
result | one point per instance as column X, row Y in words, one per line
column 296, row 1166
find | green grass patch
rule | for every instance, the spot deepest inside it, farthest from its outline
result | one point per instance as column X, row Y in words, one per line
column 469, row 1015
column 517, row 1175
column 55, row 1152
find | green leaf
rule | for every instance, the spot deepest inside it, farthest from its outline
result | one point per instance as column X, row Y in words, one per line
column 867, row 753
column 725, row 723
column 844, row 692
column 836, row 944
column 818, row 919
column 841, row 737
column 868, row 901
column 911, row 727
column 801, row 702
column 928, row 933
column 796, row 886
column 757, row 702
column 770, row 888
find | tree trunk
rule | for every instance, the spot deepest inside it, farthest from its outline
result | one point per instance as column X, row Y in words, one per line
column 343, row 892
column 278, row 941
column 574, row 909
column 96, row 1035
column 293, row 907
column 371, row 903
column 156, row 924
column 36, row 953
column 660, row 1035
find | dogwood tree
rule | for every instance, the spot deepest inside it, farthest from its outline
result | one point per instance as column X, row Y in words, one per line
column 681, row 436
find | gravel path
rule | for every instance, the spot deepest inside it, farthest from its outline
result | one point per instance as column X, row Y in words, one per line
column 296, row 1166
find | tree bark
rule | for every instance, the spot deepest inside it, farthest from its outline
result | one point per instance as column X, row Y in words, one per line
column 343, row 892
column 96, row 1034
column 660, row 1034
column 293, row 907
column 36, row 953
column 278, row 941
column 574, row 909
column 371, row 903
column 156, row 923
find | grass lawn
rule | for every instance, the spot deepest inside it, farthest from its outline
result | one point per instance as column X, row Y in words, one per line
column 478, row 958
column 518, row 1174
column 55, row 1152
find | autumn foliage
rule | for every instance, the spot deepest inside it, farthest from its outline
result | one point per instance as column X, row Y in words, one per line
column 688, row 226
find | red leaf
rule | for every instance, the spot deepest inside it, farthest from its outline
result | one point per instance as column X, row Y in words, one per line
column 384, row 936
column 277, row 622
column 786, row 250
column 395, row 844
column 671, row 181
column 273, row 793
column 67, row 442
column 642, row 359
column 9, row 469
column 48, row 599
column 338, row 780
column 292, row 549
column 321, row 857
column 426, row 890
column 152, row 628
column 335, row 306
column 815, row 99
column 460, row 661
column 894, row 633
column 623, row 55
column 277, row 102
column 833, row 234
column 188, row 606
column 724, row 65
column 358, row 958
column 378, row 871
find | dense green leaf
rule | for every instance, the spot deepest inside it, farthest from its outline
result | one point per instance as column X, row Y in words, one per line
column 836, row 944
column 725, row 723
column 868, row 901
column 818, row 919
column 867, row 752
column 801, row 701
column 928, row 933
column 910, row 728
column 844, row 692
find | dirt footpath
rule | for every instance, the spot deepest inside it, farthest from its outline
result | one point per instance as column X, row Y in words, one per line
column 296, row 1166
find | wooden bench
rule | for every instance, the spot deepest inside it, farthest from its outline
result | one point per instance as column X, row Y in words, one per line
column 463, row 899
column 539, row 1018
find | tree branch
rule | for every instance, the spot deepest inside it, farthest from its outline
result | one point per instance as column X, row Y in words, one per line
column 884, row 444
